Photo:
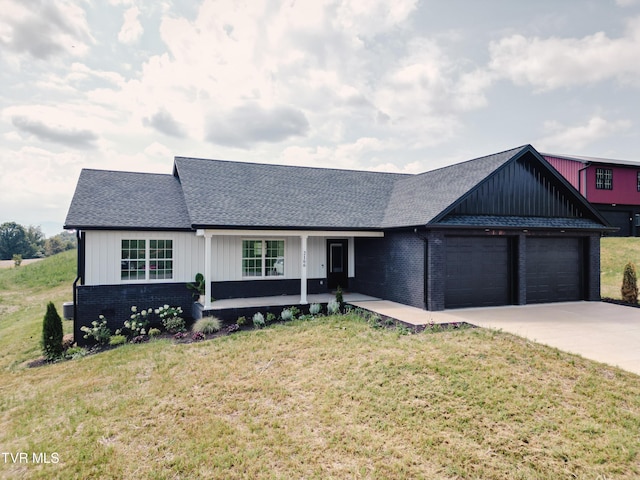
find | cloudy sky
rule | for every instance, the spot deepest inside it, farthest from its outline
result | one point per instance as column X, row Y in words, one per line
column 407, row 86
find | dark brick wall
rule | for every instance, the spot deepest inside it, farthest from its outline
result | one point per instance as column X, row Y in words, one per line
column 264, row 288
column 391, row 267
column 593, row 267
column 436, row 270
column 115, row 302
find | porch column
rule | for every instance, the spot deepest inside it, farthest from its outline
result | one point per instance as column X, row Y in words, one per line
column 207, row 269
column 303, row 270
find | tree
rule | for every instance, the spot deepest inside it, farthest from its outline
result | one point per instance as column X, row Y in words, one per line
column 13, row 241
column 35, row 237
column 53, row 245
column 629, row 288
column 52, row 333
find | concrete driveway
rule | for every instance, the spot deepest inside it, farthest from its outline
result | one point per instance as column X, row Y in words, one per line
column 599, row 331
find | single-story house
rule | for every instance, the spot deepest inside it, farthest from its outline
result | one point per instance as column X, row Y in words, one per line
column 611, row 186
column 503, row 229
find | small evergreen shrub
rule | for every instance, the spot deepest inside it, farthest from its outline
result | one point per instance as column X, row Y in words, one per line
column 258, row 320
column 271, row 317
column 154, row 332
column 629, row 288
column 98, row 331
column 333, row 307
column 52, row 333
column 241, row 321
column 315, row 308
column 207, row 325
column 117, row 340
column 295, row 311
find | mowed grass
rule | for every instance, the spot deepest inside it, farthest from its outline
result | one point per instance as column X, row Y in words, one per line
column 615, row 252
column 328, row 398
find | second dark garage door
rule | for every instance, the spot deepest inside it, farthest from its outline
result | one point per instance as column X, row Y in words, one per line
column 478, row 272
column 554, row 270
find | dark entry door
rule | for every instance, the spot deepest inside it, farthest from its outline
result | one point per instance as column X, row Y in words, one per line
column 337, row 264
column 478, row 272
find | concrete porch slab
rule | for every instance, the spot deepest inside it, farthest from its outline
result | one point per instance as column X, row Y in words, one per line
column 284, row 300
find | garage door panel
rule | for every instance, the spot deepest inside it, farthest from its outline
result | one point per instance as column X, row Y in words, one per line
column 477, row 272
column 554, row 270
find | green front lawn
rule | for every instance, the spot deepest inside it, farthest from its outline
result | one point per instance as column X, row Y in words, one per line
column 328, row 398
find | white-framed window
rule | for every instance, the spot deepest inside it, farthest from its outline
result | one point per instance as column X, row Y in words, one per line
column 263, row 258
column 146, row 259
column 604, row 179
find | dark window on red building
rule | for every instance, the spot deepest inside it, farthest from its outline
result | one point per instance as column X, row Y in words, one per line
column 604, row 179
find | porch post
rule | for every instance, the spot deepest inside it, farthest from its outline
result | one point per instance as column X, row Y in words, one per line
column 303, row 270
column 207, row 269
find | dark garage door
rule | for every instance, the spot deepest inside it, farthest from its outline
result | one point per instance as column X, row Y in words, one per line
column 477, row 272
column 554, row 270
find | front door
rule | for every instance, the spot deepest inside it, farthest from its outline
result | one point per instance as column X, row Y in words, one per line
column 337, row 262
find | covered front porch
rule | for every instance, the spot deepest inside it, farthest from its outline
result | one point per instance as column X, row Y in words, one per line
column 269, row 263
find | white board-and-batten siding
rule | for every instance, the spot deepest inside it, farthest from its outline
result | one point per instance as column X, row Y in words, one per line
column 103, row 250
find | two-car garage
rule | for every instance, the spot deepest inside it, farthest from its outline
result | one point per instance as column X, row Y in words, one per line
column 488, row 270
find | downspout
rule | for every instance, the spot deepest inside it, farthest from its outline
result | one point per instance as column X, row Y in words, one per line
column 587, row 165
column 79, row 272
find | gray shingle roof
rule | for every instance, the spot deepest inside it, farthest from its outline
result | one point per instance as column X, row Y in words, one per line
column 107, row 199
column 223, row 194
column 235, row 194
column 418, row 199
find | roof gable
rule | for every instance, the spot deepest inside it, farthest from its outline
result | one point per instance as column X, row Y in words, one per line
column 418, row 199
column 524, row 187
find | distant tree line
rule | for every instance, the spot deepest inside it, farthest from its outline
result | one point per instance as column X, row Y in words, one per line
column 30, row 242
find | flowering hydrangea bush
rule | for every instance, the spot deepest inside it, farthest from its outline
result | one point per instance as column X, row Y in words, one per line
column 171, row 318
column 98, row 331
column 137, row 323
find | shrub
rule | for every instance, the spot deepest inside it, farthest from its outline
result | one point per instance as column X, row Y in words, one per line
column 52, row 333
column 207, row 325
column 333, row 307
column 73, row 353
column 234, row 327
column 258, row 320
column 137, row 323
column 271, row 317
column 171, row 318
column 629, row 288
column 17, row 259
column 286, row 315
column 117, row 340
column 98, row 331
column 197, row 336
column 339, row 298
column 315, row 308
column 154, row 332
column 241, row 321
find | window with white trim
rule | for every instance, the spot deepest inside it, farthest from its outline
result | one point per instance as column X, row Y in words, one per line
column 146, row 260
column 604, row 179
column 263, row 258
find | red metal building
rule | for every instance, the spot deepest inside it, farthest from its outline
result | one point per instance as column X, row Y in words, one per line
column 611, row 186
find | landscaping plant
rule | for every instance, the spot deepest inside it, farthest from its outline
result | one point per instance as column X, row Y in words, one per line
column 258, row 320
column 52, row 333
column 98, row 331
column 207, row 325
column 171, row 318
column 629, row 288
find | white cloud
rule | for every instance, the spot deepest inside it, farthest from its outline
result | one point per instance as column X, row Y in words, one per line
column 548, row 63
column 571, row 138
column 131, row 29
column 44, row 29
